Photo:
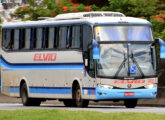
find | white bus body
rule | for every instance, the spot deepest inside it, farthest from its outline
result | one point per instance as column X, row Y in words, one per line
column 46, row 59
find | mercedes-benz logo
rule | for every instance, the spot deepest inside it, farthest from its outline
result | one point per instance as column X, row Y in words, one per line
column 129, row 85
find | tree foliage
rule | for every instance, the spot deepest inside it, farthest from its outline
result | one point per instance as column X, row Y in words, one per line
column 99, row 3
column 48, row 8
column 152, row 10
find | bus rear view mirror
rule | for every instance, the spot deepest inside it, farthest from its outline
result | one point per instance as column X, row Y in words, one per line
column 162, row 48
column 162, row 51
column 96, row 50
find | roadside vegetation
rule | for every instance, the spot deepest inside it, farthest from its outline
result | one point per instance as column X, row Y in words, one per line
column 55, row 114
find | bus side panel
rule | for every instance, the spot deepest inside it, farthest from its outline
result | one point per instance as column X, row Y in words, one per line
column 48, row 84
column 10, row 84
column 87, row 84
column 45, row 79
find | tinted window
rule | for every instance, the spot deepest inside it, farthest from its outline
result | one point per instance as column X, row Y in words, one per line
column 12, row 39
column 70, row 37
column 75, row 37
column 56, row 37
column 45, row 37
column 39, row 38
column 87, row 36
column 33, row 38
column 62, row 37
column 51, row 37
column 16, row 39
column 42, row 38
column 6, row 38
column 21, row 38
column 27, row 38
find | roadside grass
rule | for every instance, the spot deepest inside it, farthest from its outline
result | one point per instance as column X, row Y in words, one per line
column 55, row 114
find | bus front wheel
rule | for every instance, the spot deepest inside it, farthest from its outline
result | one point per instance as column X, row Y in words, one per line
column 26, row 100
column 77, row 100
column 130, row 103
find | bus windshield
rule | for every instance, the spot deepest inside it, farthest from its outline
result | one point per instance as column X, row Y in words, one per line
column 123, row 33
column 118, row 60
column 126, row 60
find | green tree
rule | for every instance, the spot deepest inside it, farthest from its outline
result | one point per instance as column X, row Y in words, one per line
column 48, row 8
column 98, row 3
column 144, row 8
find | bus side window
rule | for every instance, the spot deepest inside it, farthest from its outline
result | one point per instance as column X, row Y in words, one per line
column 69, row 37
column 75, row 43
column 21, row 38
column 51, row 37
column 12, row 39
column 39, row 38
column 87, row 36
column 62, row 37
column 16, row 39
column 56, row 38
column 27, row 38
column 33, row 38
column 45, row 37
column 6, row 38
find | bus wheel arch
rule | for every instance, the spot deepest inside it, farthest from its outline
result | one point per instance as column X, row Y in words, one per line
column 77, row 95
column 24, row 94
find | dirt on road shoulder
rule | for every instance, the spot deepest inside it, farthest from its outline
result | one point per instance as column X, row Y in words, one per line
column 7, row 99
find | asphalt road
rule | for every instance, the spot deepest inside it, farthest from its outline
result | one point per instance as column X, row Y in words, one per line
column 99, row 108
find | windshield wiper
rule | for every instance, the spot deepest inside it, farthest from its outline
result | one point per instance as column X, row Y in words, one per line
column 136, row 63
column 121, row 65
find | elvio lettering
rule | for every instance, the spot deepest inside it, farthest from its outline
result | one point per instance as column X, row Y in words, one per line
column 45, row 57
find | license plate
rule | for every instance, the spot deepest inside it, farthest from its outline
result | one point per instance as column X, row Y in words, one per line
column 129, row 94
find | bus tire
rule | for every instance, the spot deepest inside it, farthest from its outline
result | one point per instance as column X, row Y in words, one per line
column 77, row 100
column 130, row 103
column 26, row 100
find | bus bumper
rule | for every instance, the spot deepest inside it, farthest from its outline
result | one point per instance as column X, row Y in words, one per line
column 108, row 94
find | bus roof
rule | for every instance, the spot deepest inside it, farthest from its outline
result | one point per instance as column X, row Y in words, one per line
column 91, row 18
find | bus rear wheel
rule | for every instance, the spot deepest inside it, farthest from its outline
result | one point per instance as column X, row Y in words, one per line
column 130, row 103
column 26, row 100
column 77, row 100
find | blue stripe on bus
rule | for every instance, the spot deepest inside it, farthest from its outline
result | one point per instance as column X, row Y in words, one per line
column 41, row 66
column 50, row 90
column 14, row 89
column 44, row 90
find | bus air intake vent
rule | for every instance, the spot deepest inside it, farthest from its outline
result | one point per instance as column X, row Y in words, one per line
column 93, row 15
column 84, row 15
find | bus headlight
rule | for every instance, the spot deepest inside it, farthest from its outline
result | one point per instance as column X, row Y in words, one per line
column 105, row 86
column 150, row 86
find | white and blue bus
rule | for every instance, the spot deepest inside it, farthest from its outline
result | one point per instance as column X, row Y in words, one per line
column 78, row 57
